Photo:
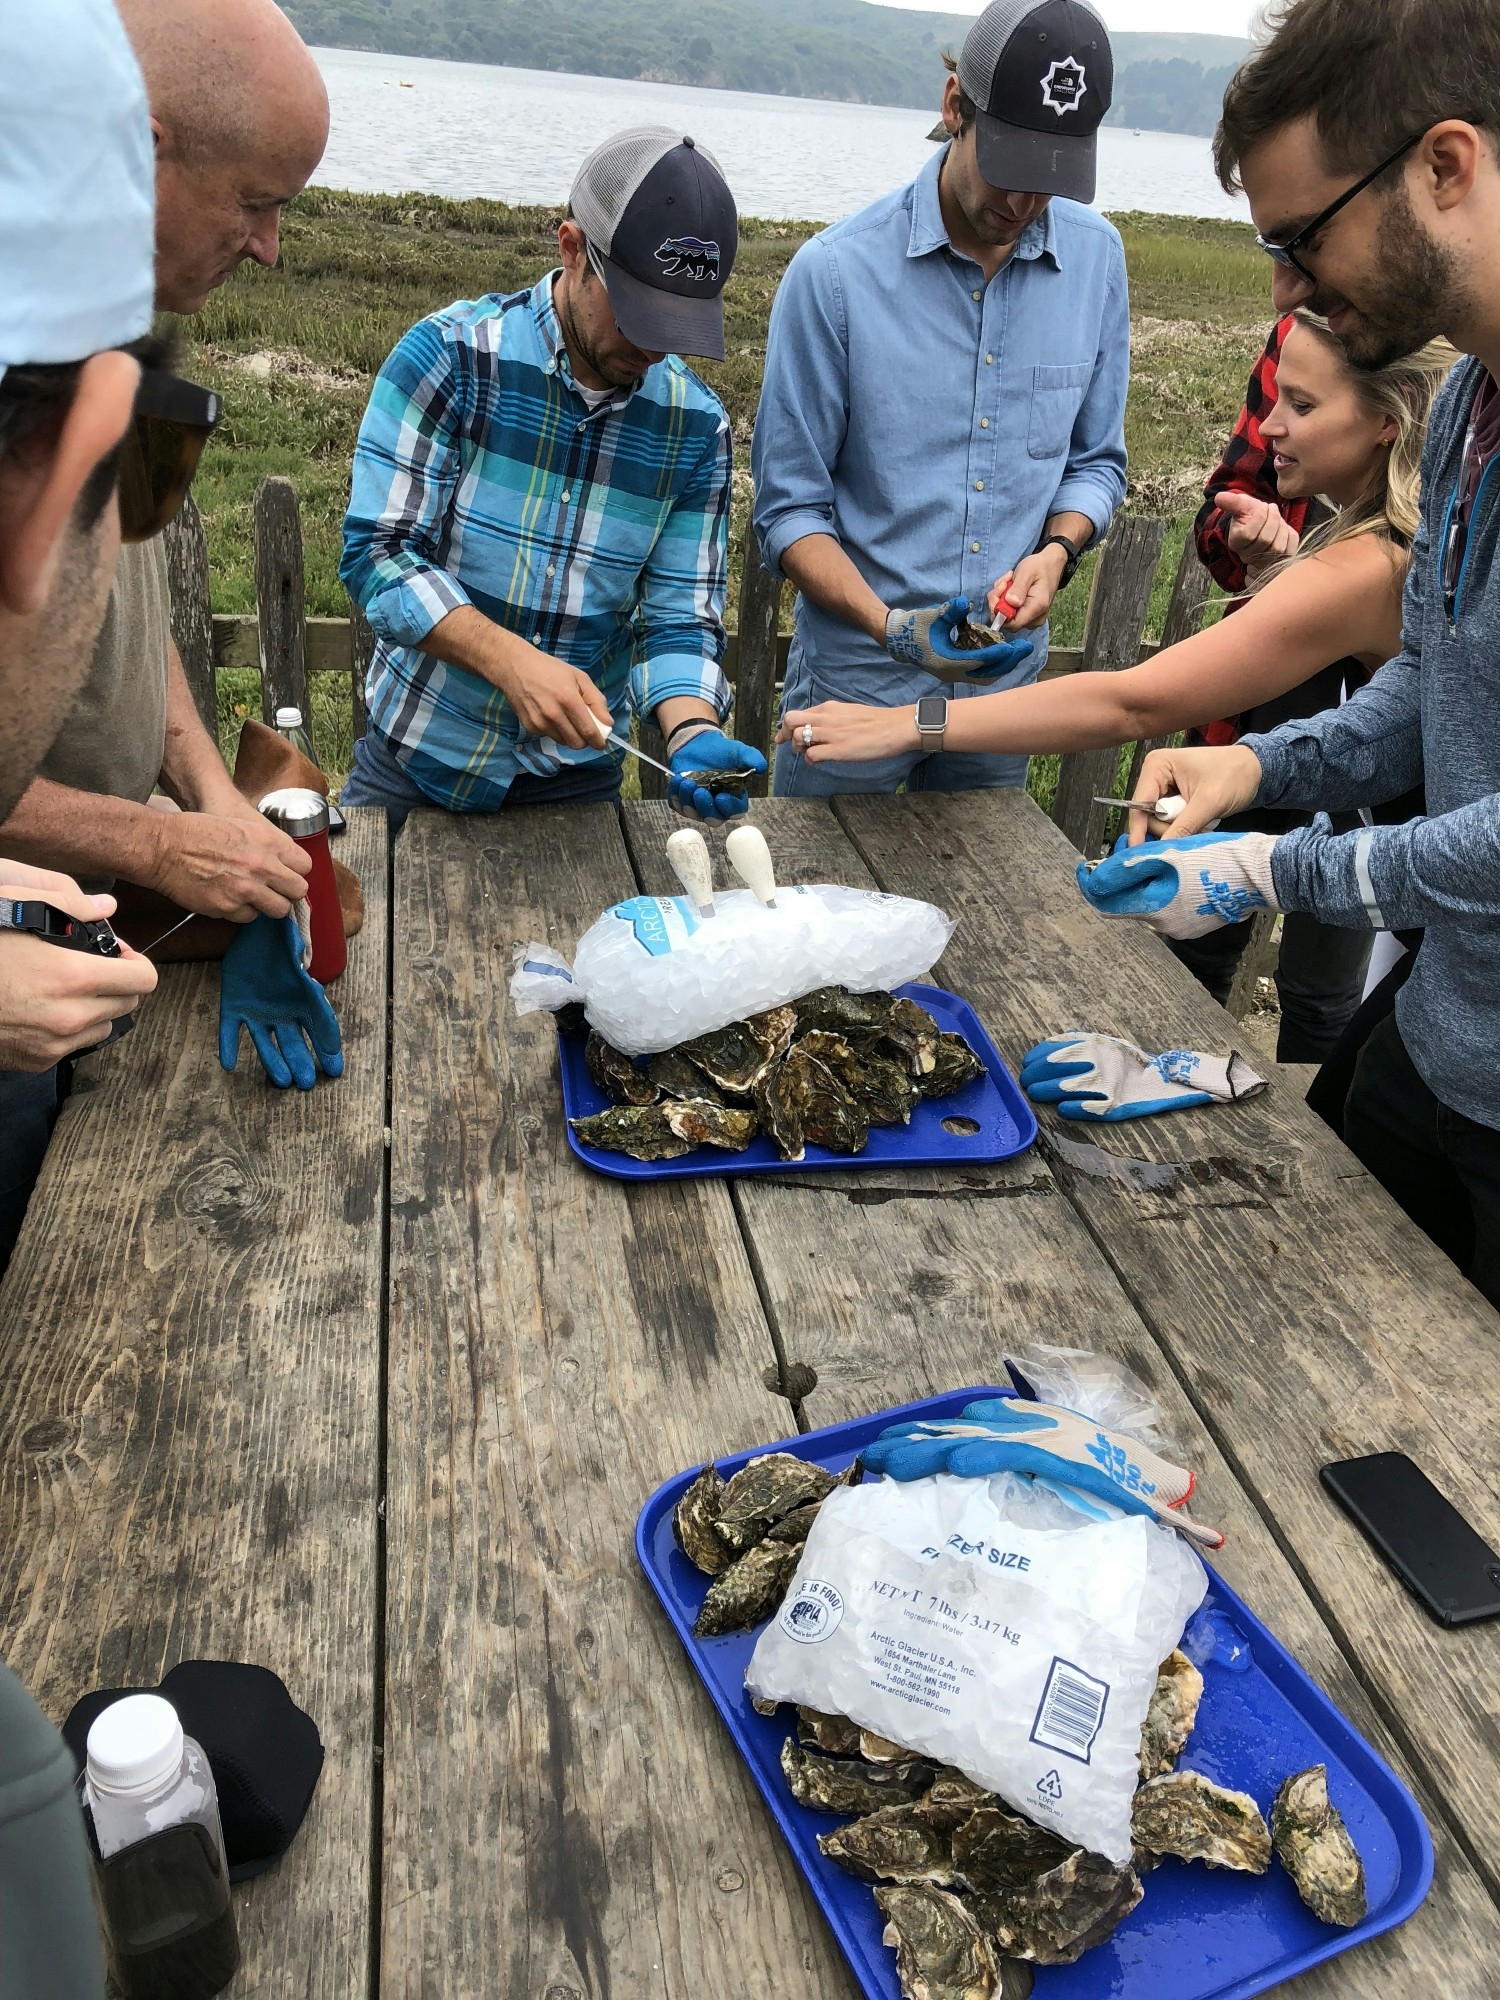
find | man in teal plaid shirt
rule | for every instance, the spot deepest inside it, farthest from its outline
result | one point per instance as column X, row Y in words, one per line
column 538, row 529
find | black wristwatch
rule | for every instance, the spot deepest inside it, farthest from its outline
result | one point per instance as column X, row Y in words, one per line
column 1071, row 549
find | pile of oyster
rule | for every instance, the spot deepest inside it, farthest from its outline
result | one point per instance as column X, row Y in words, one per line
column 821, row 1071
column 974, row 1894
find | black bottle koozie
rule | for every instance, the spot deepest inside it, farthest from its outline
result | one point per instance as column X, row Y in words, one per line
column 265, row 1752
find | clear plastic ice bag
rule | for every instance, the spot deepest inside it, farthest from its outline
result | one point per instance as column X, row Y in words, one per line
column 653, row 972
column 986, row 1624
column 1097, row 1387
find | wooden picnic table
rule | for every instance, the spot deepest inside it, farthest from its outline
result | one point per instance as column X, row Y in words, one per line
column 369, row 1386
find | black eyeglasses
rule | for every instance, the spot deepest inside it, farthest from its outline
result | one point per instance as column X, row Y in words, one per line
column 1285, row 254
column 173, row 421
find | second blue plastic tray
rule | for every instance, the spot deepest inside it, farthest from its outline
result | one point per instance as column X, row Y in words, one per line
column 1199, row 1933
column 993, row 1104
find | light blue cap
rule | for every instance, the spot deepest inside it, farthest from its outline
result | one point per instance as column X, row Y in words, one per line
column 77, row 183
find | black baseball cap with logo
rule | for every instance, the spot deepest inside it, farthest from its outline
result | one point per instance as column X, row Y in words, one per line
column 662, row 232
column 1042, row 77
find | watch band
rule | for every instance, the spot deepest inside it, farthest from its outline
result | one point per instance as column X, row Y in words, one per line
column 1073, row 552
column 930, row 733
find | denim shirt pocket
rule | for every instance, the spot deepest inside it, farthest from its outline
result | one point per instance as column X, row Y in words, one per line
column 1057, row 391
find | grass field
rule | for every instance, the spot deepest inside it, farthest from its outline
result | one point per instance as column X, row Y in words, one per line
column 293, row 352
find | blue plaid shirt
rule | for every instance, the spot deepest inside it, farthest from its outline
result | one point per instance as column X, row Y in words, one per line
column 482, row 477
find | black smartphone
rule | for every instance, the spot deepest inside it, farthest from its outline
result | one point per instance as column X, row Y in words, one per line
column 1422, row 1535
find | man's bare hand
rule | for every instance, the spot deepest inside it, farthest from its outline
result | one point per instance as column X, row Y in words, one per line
column 54, row 1002
column 238, row 868
column 1259, row 533
column 1031, row 587
column 553, row 699
column 1214, row 783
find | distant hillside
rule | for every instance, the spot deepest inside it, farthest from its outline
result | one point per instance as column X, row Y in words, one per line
column 843, row 49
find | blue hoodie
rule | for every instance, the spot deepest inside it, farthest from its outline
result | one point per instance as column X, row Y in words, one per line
column 1431, row 716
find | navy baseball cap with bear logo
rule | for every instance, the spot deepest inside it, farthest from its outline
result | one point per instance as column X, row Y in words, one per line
column 1042, row 77
column 662, row 232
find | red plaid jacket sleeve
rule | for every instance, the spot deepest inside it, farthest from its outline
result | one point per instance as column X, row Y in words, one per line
column 1244, row 468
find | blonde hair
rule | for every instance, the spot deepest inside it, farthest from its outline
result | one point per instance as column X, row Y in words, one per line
column 1405, row 393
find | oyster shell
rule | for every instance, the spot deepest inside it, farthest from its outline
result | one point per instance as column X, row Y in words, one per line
column 1185, row 1814
column 736, row 1056
column 615, row 1074
column 800, row 1101
column 1313, row 1845
column 693, row 1524
column 843, row 1785
column 796, row 1526
column 880, row 1749
column 749, row 1590
column 841, row 1012
column 893, row 1845
column 763, row 1706
column 941, row 1953
column 641, row 1130
column 675, row 1076
column 971, row 637
column 706, row 1124
column 1056, row 1917
column 996, row 1851
column 764, row 1491
column 882, row 1089
column 1172, row 1712
column 955, row 1066
column 722, row 784
column 571, row 1020
column 953, row 1798
column 835, row 1734
column 911, row 1036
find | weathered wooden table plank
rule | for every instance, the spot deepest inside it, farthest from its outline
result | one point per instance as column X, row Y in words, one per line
column 888, row 1288
column 189, row 1408
column 1306, row 1318
column 564, row 1815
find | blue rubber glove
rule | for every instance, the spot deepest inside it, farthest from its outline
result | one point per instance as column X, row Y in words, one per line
column 1054, row 1445
column 712, row 750
column 264, row 988
column 1185, row 888
column 1102, row 1079
column 925, row 639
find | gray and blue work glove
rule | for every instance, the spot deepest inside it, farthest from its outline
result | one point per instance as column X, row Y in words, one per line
column 711, row 750
column 925, row 639
column 1100, row 1079
column 1056, row 1447
column 1185, row 888
column 264, row 988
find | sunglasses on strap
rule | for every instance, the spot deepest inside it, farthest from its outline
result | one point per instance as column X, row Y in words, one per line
column 173, row 420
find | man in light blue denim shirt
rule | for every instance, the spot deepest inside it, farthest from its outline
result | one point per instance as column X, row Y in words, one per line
column 944, row 402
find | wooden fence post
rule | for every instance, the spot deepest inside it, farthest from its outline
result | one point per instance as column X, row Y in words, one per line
column 192, row 612
column 1118, row 604
column 279, row 600
column 755, row 683
column 361, row 647
column 1184, row 618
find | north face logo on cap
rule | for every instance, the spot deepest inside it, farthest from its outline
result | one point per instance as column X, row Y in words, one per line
column 1064, row 86
column 690, row 255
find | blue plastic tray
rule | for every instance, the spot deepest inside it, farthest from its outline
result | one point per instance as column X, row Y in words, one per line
column 1199, row 1933
column 993, row 1102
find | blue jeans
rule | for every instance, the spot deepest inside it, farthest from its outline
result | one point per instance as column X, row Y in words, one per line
column 378, row 779
column 29, row 1104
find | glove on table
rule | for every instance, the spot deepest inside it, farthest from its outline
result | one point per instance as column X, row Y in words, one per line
column 711, row 750
column 1009, row 1434
column 1102, row 1079
column 264, row 988
column 925, row 639
column 1185, row 888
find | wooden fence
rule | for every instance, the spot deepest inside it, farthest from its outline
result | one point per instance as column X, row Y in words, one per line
column 285, row 646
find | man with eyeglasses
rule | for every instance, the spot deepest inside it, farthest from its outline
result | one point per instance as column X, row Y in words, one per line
column 1365, row 134
column 76, row 253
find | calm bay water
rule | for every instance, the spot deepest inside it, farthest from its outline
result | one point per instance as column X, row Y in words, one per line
column 517, row 135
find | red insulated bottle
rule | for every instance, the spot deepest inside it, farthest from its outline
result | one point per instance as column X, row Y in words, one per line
column 304, row 815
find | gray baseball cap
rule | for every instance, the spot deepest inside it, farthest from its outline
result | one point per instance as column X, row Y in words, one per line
column 1042, row 76
column 662, row 232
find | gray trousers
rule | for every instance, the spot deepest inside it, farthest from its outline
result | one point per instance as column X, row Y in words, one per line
column 49, row 1934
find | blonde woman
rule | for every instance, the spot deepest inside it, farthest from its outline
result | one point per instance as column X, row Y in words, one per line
column 1321, row 615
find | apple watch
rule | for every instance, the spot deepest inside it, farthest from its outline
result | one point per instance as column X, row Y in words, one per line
column 932, row 721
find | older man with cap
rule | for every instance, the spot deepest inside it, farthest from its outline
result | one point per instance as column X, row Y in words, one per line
column 942, row 418
column 75, row 248
column 539, row 522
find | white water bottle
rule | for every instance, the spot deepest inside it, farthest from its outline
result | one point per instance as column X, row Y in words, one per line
column 289, row 724
column 160, row 1870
